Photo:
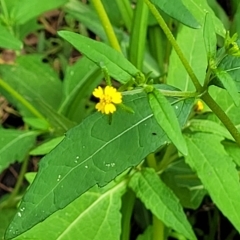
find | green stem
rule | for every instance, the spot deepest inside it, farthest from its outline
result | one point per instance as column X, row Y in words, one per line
column 128, row 201
column 158, row 229
column 172, row 40
column 151, row 160
column 126, row 11
column 158, row 226
column 222, row 116
column 4, row 9
column 18, row 97
column 169, row 156
column 106, row 24
column 165, row 93
column 138, row 35
column 11, row 201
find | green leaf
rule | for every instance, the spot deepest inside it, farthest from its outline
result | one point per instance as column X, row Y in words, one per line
column 24, row 10
column 210, row 38
column 224, row 100
column 78, row 84
column 147, row 235
column 151, row 190
column 208, row 126
column 166, row 118
column 37, row 123
column 233, row 150
column 98, row 208
column 231, row 65
column 7, row 40
column 46, row 147
column 192, row 45
column 28, row 75
column 176, row 9
column 14, row 146
column 217, row 172
column 118, row 66
column 93, row 152
column 184, row 183
column 228, row 84
column 6, row 216
column 199, row 8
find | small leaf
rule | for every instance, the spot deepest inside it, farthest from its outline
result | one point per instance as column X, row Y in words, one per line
column 231, row 65
column 14, row 146
column 93, row 152
column 118, row 66
column 217, row 172
column 37, row 123
column 166, row 118
column 209, row 36
column 46, row 147
column 228, row 84
column 151, row 190
column 207, row 126
column 176, row 9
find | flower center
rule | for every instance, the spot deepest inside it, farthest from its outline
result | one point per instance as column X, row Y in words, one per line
column 107, row 99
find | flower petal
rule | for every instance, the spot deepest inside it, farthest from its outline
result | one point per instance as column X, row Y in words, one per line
column 109, row 90
column 98, row 92
column 117, row 98
column 100, row 107
column 110, row 108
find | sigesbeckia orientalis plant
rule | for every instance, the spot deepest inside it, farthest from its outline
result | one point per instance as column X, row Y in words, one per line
column 180, row 145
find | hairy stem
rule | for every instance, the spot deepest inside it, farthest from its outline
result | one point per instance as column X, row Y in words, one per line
column 176, row 47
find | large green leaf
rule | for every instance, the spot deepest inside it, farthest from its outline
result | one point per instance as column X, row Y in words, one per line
column 118, row 66
column 94, row 215
column 151, row 190
column 192, row 44
column 93, row 152
column 217, row 172
column 14, row 146
column 7, row 40
column 25, row 10
column 177, row 10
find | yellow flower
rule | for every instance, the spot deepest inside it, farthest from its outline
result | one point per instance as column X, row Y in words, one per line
column 199, row 106
column 108, row 97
